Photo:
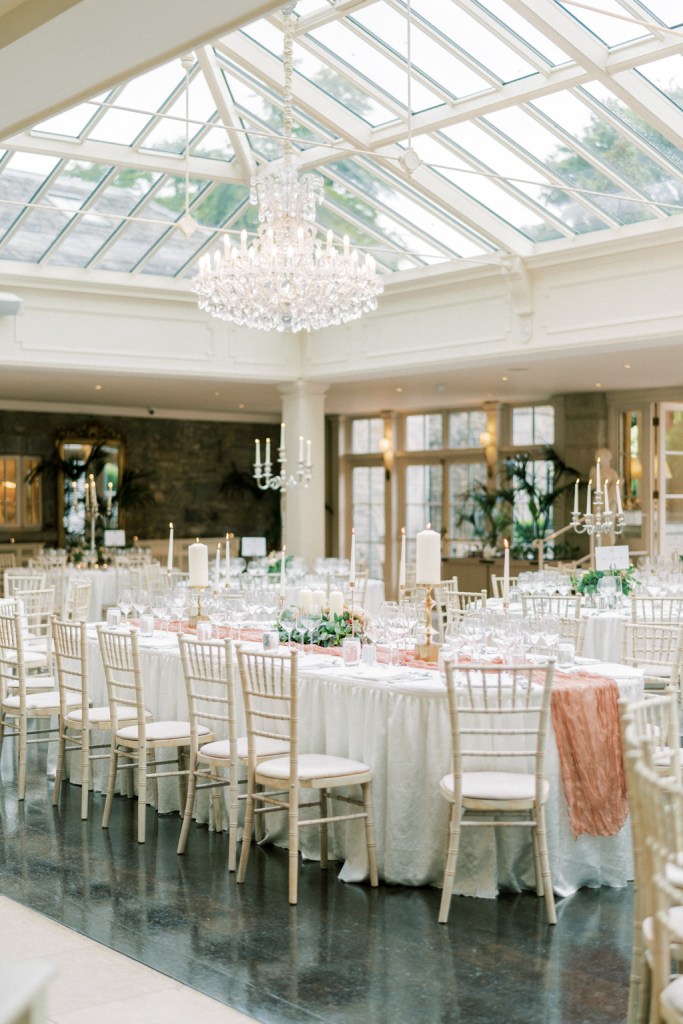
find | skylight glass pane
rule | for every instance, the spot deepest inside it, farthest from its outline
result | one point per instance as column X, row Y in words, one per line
column 427, row 56
column 669, row 12
column 38, row 229
column 172, row 256
column 151, row 90
column 667, row 76
column 526, row 31
column 492, row 195
column 609, row 29
column 69, row 122
column 372, row 65
column 502, row 62
column 214, row 145
column 168, row 134
column 221, row 203
column 609, row 146
column 119, row 126
column 129, row 248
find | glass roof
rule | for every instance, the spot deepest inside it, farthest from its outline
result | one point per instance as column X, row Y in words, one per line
column 534, row 124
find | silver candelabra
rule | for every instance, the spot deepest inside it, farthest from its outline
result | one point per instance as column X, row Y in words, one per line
column 597, row 522
column 282, row 480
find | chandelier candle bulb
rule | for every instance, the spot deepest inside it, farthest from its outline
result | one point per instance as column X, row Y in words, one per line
column 428, row 557
column 257, row 457
column 606, row 497
column 336, row 602
column 576, row 498
column 267, row 459
column 588, row 499
column 598, row 485
column 169, row 556
column 198, row 565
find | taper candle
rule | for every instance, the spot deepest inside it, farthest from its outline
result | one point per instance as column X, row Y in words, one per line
column 169, row 557
column 227, row 560
column 402, row 563
column 352, row 561
column 217, row 581
column 588, row 499
column 506, row 573
column 576, row 497
column 620, row 509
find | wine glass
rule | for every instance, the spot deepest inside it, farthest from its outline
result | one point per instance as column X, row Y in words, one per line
column 156, row 601
column 289, row 620
column 140, row 601
column 125, row 602
column 216, row 610
column 236, row 610
column 309, row 619
column 550, row 632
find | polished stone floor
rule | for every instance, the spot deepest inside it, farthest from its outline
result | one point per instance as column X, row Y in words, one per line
column 346, row 953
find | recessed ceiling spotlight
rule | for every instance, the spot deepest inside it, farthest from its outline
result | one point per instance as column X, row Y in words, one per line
column 598, row 385
column 98, row 387
column 627, row 366
column 216, row 394
column 504, row 378
column 241, row 405
column 399, row 391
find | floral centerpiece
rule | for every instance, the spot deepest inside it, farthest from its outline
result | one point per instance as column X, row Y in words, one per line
column 331, row 629
column 588, row 583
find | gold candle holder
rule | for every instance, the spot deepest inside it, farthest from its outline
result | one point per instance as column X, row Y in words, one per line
column 429, row 650
column 199, row 616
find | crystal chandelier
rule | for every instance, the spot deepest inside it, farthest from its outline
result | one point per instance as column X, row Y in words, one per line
column 288, row 279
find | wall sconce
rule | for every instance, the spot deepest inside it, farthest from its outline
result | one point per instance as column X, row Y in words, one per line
column 487, row 441
column 386, row 448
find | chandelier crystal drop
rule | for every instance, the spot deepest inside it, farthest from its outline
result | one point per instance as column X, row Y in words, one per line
column 289, row 279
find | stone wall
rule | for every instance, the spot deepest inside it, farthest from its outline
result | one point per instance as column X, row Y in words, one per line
column 184, row 464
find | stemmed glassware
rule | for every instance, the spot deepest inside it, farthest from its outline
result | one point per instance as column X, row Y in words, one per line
column 289, row 620
column 216, row 610
column 140, row 601
column 125, row 602
column 236, row 613
column 309, row 619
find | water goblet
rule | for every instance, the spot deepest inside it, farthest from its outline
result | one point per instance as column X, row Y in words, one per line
column 289, row 620
column 125, row 602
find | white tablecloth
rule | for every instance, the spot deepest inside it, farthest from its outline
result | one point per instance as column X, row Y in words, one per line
column 103, row 592
column 399, row 726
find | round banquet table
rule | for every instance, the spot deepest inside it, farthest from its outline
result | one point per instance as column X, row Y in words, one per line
column 396, row 721
column 102, row 594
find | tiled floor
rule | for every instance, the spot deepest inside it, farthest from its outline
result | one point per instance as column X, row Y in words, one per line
column 346, row 954
column 93, row 983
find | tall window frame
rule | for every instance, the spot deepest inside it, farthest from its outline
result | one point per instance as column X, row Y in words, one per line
column 21, row 504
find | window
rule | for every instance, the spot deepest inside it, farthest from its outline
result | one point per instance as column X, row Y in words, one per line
column 424, row 432
column 368, row 516
column 466, row 516
column 365, row 436
column 424, row 502
column 20, row 501
column 464, row 428
column 533, row 425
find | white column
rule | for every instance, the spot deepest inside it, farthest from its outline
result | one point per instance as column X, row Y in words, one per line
column 303, row 410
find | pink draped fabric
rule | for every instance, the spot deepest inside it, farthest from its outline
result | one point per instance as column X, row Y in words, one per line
column 585, row 716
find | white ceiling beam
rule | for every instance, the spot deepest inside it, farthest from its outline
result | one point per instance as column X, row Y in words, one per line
column 226, row 110
column 123, row 156
column 40, row 44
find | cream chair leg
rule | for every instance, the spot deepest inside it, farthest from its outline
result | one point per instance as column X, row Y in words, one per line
column 259, row 825
column 56, row 789
column 111, row 783
column 85, row 773
column 21, row 783
column 451, row 862
column 217, row 804
column 370, row 832
column 142, row 793
column 189, row 807
column 545, row 865
column 293, row 845
column 246, row 835
column 232, row 824
column 537, row 864
column 323, row 829
column 182, row 778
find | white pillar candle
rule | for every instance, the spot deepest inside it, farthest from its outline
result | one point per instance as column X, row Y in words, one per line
column 588, row 499
column 506, row 573
column 402, row 563
column 198, row 565
column 598, row 485
column 336, row 602
column 576, row 498
column 217, row 581
column 283, row 572
column 305, row 599
column 169, row 557
column 227, row 560
column 319, row 598
column 619, row 505
column 428, row 557
column 606, row 498
column 352, row 561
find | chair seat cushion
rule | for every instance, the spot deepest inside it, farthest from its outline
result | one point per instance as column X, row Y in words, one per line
column 313, row 766
column 32, row 658
column 102, row 716
column 39, row 701
column 219, row 750
column 656, row 669
column 40, row 681
column 157, row 731
column 495, row 788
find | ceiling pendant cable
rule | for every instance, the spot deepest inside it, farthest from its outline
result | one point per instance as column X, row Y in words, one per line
column 409, row 159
